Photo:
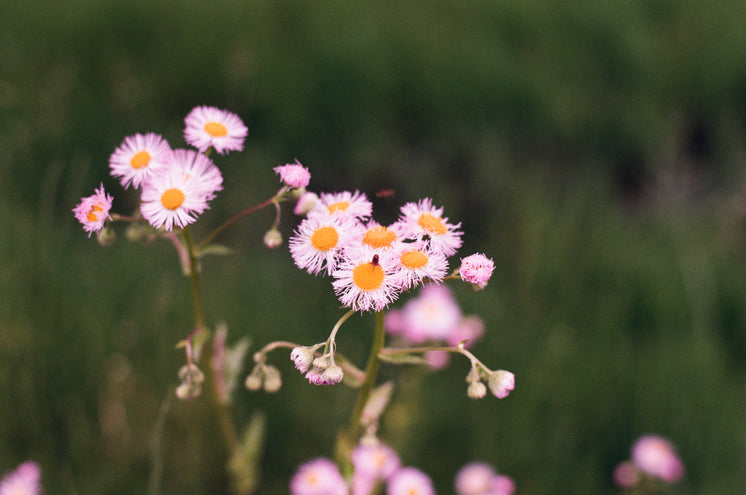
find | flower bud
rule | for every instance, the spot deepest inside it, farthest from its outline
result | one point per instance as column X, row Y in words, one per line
column 501, row 382
column 272, row 379
column 273, row 238
column 254, row 380
column 191, row 373
column 188, row 391
column 106, row 236
column 321, row 363
column 476, row 390
column 333, row 374
column 302, row 357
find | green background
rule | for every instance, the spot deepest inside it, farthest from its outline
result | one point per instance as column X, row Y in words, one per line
column 593, row 149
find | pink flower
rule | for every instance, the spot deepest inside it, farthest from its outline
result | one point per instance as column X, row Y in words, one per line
column 93, row 211
column 294, row 174
column 176, row 195
column 626, row 474
column 319, row 241
column 210, row 127
column 433, row 315
column 365, row 280
column 377, row 461
column 344, row 204
column 476, row 269
column 305, row 203
column 25, row 480
column 474, row 479
column 410, row 481
column 657, row 457
column 318, row 477
column 502, row 485
column 416, row 263
column 378, row 236
column 138, row 157
column 422, row 221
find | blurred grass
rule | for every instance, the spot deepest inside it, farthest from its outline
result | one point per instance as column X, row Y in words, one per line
column 594, row 149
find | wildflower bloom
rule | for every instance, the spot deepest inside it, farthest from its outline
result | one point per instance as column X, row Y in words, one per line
column 318, row 477
column 502, row 485
column 410, row 481
column 345, row 204
column 423, row 221
column 474, row 478
column 210, row 127
column 365, row 280
column 375, row 460
column 476, row 269
column 176, row 195
column 433, row 315
column 293, row 174
column 305, row 203
column 93, row 211
column 318, row 242
column 24, row 480
column 138, row 157
column 378, row 236
column 657, row 457
column 416, row 263
column 626, row 474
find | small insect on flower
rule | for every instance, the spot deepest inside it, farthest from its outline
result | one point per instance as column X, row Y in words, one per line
column 210, row 127
column 93, row 211
column 138, row 157
column 365, row 280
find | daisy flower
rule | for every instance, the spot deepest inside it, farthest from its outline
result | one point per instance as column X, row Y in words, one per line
column 318, row 242
column 293, row 174
column 210, row 127
column 376, row 460
column 176, row 195
column 657, row 457
column 422, row 221
column 474, row 478
column 345, row 204
column 410, row 481
column 378, row 237
column 365, row 280
column 93, row 211
column 138, row 157
column 433, row 315
column 417, row 263
column 25, row 480
column 318, row 477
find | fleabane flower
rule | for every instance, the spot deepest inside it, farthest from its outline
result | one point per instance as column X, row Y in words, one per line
column 378, row 236
column 318, row 477
column 375, row 460
column 24, row 480
column 319, row 241
column 176, row 195
column 293, row 174
column 210, row 127
column 423, row 221
column 415, row 263
column 477, row 270
column 365, row 280
column 474, row 478
column 410, row 481
column 138, row 158
column 657, row 457
column 431, row 316
column 344, row 204
column 93, row 211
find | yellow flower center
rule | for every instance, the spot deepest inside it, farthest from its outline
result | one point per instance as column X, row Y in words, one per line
column 324, row 238
column 368, row 276
column 216, row 129
column 379, row 237
column 340, row 206
column 413, row 259
column 432, row 224
column 172, row 198
column 140, row 159
column 93, row 213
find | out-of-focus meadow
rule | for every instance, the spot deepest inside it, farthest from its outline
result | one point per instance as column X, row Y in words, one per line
column 594, row 149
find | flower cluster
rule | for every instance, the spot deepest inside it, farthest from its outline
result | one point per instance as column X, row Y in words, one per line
column 652, row 457
column 372, row 263
column 176, row 185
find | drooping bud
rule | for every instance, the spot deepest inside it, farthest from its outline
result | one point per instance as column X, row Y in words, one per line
column 501, row 382
column 273, row 238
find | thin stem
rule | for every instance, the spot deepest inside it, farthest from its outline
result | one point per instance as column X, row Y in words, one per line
column 199, row 314
column 206, row 241
column 347, row 439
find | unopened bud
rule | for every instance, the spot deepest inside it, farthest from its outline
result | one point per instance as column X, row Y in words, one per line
column 106, row 236
column 321, row 363
column 254, row 380
column 272, row 379
column 476, row 390
column 501, row 382
column 191, row 373
column 188, row 391
column 273, row 238
column 302, row 357
column 333, row 374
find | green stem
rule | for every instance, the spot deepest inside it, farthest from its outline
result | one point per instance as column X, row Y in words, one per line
column 223, row 416
column 347, row 439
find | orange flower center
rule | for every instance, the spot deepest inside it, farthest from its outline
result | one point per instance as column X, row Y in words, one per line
column 93, row 213
column 379, row 237
column 340, row 206
column 368, row 276
column 413, row 259
column 216, row 129
column 140, row 159
column 432, row 224
column 324, row 238
column 172, row 198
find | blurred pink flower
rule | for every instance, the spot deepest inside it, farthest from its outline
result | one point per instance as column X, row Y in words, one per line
column 410, row 481
column 318, row 477
column 25, row 480
column 657, row 457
